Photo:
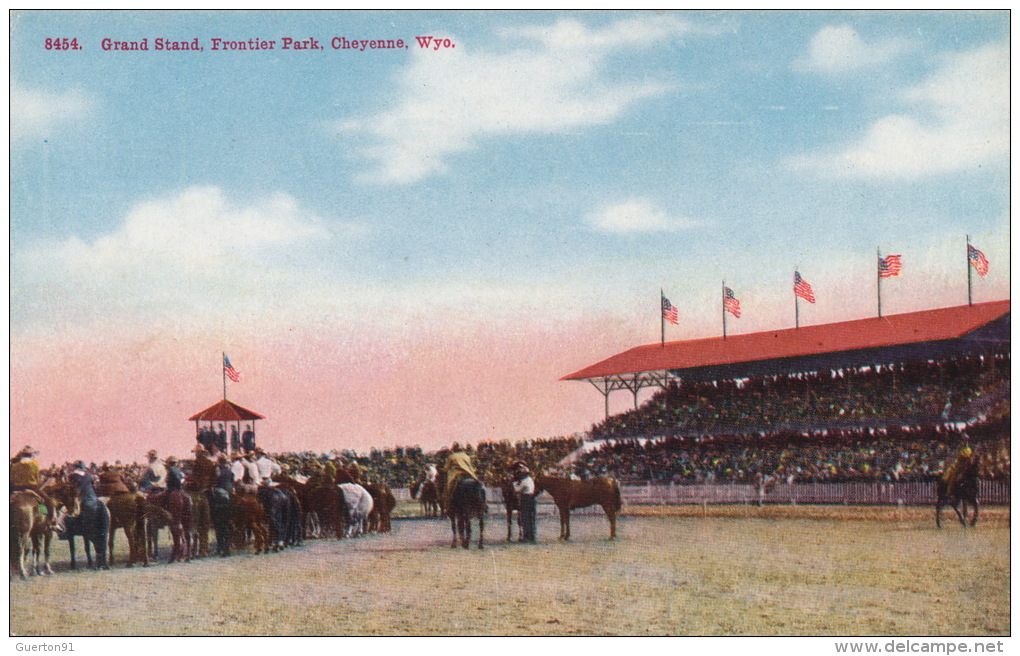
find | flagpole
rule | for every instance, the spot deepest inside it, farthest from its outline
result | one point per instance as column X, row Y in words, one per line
column 223, row 370
column 662, row 315
column 878, row 276
column 970, row 301
column 724, row 309
column 796, row 303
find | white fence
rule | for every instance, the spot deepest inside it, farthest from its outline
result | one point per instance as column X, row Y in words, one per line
column 905, row 494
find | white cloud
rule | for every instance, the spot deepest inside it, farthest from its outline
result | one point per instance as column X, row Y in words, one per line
column 38, row 114
column 448, row 101
column 635, row 216
column 836, row 50
column 179, row 254
column 957, row 119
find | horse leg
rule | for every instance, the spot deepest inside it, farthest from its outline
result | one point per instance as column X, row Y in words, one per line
column 973, row 519
column 481, row 531
column 509, row 523
column 612, row 522
column 109, row 546
column 959, row 515
column 453, row 525
column 46, row 552
column 70, row 546
column 938, row 512
column 88, row 550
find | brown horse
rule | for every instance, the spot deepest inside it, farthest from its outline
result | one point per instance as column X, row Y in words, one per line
column 132, row 512
column 964, row 493
column 201, row 522
column 427, row 493
column 569, row 494
column 320, row 504
column 177, row 504
column 250, row 516
column 30, row 533
column 383, row 503
column 511, row 503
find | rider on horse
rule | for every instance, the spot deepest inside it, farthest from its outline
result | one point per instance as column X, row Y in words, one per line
column 458, row 467
column 111, row 482
column 154, row 478
column 25, row 477
column 952, row 476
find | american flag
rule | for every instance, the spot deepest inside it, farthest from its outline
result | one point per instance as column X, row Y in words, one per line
column 802, row 289
column 669, row 312
column 229, row 370
column 977, row 260
column 730, row 302
column 889, row 266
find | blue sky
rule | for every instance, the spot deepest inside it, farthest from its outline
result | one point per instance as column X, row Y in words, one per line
column 550, row 167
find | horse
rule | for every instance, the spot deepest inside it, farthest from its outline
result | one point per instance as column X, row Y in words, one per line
column 355, row 506
column 249, row 515
column 320, row 505
column 569, row 494
column 511, row 503
column 92, row 523
column 30, row 526
column 965, row 492
column 201, row 522
column 427, row 492
column 177, row 504
column 131, row 511
column 466, row 503
column 383, row 503
column 283, row 511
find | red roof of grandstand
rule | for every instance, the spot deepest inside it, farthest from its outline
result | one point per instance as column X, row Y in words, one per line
column 872, row 333
column 226, row 411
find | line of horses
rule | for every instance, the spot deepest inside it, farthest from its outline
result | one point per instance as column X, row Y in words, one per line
column 269, row 518
column 468, row 502
column 283, row 515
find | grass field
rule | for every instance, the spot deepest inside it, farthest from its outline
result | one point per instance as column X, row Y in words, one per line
column 691, row 570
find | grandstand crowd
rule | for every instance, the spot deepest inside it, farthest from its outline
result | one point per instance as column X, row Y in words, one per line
column 899, row 422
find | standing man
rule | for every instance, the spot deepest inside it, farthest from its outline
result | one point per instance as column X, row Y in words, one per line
column 248, row 439
column 524, row 486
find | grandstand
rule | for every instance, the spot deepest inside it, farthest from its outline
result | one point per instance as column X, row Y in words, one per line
column 882, row 399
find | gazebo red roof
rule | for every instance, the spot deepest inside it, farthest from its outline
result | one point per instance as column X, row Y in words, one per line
column 893, row 331
column 226, row 411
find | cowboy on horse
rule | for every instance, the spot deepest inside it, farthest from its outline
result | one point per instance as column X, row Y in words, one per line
column 953, row 475
column 25, row 477
column 457, row 467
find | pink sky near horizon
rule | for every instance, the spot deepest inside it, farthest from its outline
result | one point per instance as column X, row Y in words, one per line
column 115, row 398
column 105, row 394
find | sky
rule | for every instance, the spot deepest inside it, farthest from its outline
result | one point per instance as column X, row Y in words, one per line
column 412, row 245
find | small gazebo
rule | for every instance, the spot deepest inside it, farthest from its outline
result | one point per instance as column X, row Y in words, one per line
column 225, row 412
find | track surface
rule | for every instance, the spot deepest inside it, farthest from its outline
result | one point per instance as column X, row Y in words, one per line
column 744, row 571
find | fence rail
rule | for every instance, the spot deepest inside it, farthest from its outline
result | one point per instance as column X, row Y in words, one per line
column 905, row 494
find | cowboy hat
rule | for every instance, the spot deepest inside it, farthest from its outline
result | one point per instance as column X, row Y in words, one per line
column 28, row 451
column 172, row 459
column 152, row 454
column 198, row 449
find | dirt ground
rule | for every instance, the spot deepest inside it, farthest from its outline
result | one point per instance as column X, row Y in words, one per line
column 775, row 571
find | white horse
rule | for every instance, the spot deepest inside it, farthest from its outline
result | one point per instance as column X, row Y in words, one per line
column 358, row 505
